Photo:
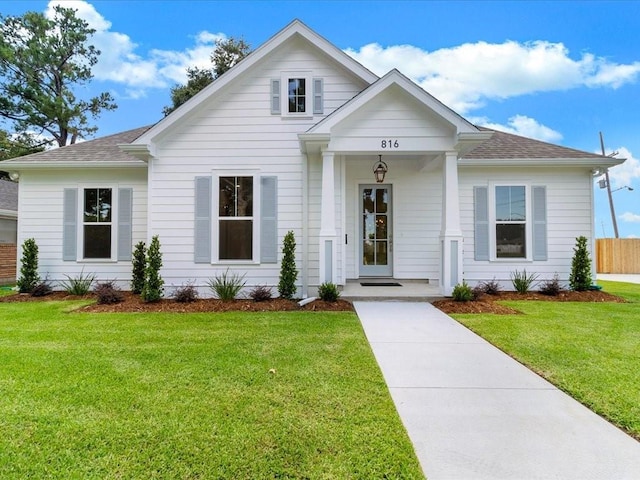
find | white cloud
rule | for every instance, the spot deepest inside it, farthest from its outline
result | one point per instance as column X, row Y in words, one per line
column 521, row 125
column 630, row 217
column 624, row 174
column 468, row 75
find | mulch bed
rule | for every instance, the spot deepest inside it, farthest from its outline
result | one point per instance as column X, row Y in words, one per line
column 488, row 303
column 133, row 303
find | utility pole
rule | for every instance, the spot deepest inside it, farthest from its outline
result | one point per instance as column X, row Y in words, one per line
column 606, row 176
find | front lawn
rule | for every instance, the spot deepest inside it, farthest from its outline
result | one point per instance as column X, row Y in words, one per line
column 589, row 350
column 225, row 395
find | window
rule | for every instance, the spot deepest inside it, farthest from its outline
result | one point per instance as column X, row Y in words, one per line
column 297, row 95
column 97, row 223
column 235, row 218
column 511, row 222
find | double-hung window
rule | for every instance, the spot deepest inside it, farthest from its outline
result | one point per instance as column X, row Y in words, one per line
column 297, row 94
column 97, row 223
column 235, row 217
column 511, row 221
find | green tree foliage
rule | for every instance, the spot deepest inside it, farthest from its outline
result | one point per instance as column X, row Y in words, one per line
column 41, row 62
column 12, row 146
column 288, row 271
column 139, row 266
column 29, row 277
column 226, row 54
column 580, row 277
column 153, row 282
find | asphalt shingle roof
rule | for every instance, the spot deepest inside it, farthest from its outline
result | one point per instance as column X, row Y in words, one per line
column 8, row 195
column 100, row 149
column 507, row 145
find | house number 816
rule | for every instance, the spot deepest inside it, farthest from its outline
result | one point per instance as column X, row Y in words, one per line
column 389, row 144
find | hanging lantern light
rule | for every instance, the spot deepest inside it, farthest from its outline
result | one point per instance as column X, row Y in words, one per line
column 380, row 170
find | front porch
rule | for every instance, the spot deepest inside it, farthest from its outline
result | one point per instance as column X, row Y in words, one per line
column 408, row 290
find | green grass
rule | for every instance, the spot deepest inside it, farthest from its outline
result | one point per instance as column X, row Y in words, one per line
column 190, row 396
column 589, row 350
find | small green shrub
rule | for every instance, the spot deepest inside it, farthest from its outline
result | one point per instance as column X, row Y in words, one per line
column 29, row 277
column 226, row 286
column 260, row 293
column 462, row 292
column 139, row 265
column 80, row 285
column 108, row 293
column 153, row 282
column 551, row 287
column 580, row 277
column 186, row 293
column 288, row 271
column 42, row 289
column 522, row 282
column 328, row 292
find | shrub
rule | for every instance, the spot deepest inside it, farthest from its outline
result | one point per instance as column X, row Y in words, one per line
column 139, row 264
column 580, row 277
column 491, row 287
column 551, row 287
column 260, row 293
column 108, row 293
column 477, row 292
column 288, row 272
column 42, row 289
column 80, row 285
column 462, row 292
column 29, row 277
column 226, row 286
column 186, row 293
column 153, row 282
column 328, row 292
column 522, row 282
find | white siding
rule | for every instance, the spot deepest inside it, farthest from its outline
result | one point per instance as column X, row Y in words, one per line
column 236, row 131
column 41, row 194
column 568, row 216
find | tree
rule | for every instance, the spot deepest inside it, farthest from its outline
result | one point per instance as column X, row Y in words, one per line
column 153, row 282
column 12, row 146
column 288, row 271
column 29, row 277
column 580, row 277
column 225, row 55
column 41, row 61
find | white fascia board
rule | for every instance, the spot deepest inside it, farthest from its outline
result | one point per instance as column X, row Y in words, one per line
column 18, row 166
column 294, row 28
column 140, row 151
column 313, row 142
column 604, row 162
column 467, row 141
column 8, row 214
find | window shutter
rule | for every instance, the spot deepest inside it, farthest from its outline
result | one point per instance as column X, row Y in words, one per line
column 481, row 222
column 539, row 223
column 318, row 99
column 268, row 219
column 125, row 221
column 202, row 229
column 70, row 227
column 275, row 97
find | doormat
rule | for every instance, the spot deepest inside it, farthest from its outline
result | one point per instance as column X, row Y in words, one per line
column 380, row 284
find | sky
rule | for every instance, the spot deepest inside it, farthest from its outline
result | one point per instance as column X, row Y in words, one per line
column 556, row 71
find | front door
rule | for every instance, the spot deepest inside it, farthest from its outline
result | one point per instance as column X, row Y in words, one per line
column 376, row 239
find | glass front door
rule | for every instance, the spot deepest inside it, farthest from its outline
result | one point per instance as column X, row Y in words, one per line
column 376, row 239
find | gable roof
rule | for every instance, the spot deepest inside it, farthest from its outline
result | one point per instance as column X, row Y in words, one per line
column 8, row 196
column 295, row 29
column 102, row 151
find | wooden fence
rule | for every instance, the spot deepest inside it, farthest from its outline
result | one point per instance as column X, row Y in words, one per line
column 7, row 263
column 618, row 255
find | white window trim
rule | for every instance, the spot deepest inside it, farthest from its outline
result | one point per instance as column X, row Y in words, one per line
column 491, row 198
column 80, row 222
column 284, row 94
column 215, row 217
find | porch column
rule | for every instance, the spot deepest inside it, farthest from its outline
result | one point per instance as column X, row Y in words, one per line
column 451, row 233
column 328, row 219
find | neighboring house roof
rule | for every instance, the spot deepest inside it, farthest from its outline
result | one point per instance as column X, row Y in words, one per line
column 8, row 198
column 101, row 150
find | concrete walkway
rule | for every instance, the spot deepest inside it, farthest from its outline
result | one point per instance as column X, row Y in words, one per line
column 472, row 412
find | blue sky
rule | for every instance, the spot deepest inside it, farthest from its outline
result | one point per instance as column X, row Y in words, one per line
column 557, row 71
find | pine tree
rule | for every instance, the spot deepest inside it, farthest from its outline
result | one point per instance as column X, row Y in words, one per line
column 288, row 272
column 580, row 278
column 152, row 290
column 29, row 277
column 139, row 263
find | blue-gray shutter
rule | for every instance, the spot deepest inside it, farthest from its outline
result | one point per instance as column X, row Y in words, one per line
column 70, row 224
column 202, row 230
column 125, row 223
column 481, row 222
column 318, row 95
column 268, row 219
column 539, row 223
column 275, row 97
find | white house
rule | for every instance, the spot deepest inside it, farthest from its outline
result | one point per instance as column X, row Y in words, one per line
column 289, row 139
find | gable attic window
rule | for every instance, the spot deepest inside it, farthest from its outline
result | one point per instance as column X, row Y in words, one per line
column 297, row 94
